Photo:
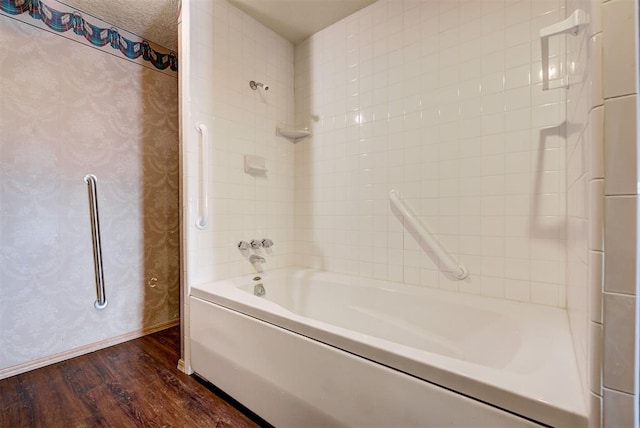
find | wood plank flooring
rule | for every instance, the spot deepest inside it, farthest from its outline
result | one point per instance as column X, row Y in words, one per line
column 133, row 384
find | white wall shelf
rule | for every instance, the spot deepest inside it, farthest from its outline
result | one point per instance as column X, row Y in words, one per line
column 294, row 135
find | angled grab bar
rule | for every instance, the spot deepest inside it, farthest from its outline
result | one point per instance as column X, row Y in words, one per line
column 203, row 196
column 92, row 188
column 458, row 270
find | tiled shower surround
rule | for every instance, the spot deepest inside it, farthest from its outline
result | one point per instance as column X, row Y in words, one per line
column 602, row 206
column 242, row 122
column 442, row 101
column 67, row 109
column 399, row 95
column 451, row 120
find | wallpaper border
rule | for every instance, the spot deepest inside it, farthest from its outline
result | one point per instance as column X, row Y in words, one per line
column 58, row 18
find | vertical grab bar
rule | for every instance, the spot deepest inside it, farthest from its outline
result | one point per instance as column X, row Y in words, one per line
column 203, row 196
column 458, row 270
column 92, row 189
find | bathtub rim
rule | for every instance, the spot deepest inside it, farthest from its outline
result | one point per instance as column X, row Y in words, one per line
column 445, row 372
column 272, row 396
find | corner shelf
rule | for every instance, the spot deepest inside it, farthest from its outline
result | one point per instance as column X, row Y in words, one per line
column 294, row 135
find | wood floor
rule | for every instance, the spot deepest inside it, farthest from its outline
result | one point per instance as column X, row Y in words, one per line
column 134, row 384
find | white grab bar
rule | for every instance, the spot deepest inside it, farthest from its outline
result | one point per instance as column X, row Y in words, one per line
column 92, row 188
column 458, row 270
column 571, row 25
column 203, row 178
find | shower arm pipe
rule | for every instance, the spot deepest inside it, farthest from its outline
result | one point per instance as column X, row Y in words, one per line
column 458, row 270
column 203, row 178
column 92, row 189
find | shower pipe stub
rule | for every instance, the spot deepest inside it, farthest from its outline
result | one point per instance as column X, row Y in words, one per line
column 255, row 85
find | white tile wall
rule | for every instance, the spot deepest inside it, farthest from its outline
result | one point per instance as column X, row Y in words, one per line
column 619, row 21
column 620, row 263
column 596, row 83
column 596, row 280
column 620, row 76
column 619, row 337
column 231, row 50
column 595, row 411
column 585, row 172
column 602, row 166
column 617, row 409
column 595, row 358
column 441, row 101
column 620, row 152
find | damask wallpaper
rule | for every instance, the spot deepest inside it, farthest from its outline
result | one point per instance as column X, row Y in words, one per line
column 57, row 17
column 66, row 110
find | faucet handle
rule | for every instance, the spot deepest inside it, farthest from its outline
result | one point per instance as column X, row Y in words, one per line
column 243, row 245
column 255, row 244
column 267, row 243
column 257, row 259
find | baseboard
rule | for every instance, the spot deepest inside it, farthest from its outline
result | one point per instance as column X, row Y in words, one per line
column 182, row 366
column 85, row 349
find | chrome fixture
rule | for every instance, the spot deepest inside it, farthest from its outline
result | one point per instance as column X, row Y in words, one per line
column 257, row 259
column 255, row 244
column 267, row 243
column 259, row 290
column 243, row 245
column 257, row 262
column 92, row 188
column 254, row 85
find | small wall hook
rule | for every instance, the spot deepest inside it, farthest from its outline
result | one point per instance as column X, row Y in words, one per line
column 254, row 85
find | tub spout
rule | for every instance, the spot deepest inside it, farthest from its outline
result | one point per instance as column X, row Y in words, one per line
column 257, row 262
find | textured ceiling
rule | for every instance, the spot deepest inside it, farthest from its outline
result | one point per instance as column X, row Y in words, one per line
column 154, row 20
column 157, row 20
column 296, row 20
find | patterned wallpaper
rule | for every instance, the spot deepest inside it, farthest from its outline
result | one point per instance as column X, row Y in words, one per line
column 91, row 113
column 51, row 15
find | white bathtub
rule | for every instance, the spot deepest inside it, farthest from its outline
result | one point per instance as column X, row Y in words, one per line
column 323, row 349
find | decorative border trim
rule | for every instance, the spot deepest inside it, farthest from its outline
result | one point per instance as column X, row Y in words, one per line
column 56, row 17
column 81, row 350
